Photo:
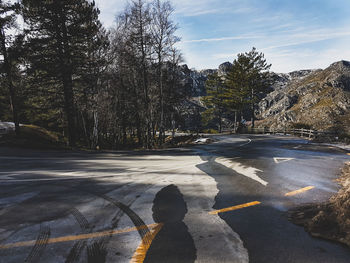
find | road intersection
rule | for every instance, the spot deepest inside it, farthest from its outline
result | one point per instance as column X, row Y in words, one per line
column 222, row 202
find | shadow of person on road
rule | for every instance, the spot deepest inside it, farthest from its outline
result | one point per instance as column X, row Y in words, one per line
column 173, row 243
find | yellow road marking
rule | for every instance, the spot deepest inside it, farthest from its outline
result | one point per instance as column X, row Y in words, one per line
column 300, row 191
column 234, row 207
column 140, row 253
column 77, row 237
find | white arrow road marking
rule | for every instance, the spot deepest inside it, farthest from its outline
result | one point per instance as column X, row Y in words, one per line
column 244, row 144
column 282, row 160
column 250, row 172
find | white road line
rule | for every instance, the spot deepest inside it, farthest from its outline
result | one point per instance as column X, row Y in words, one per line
column 249, row 172
column 244, row 144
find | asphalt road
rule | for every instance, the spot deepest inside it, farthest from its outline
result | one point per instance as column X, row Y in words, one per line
column 166, row 206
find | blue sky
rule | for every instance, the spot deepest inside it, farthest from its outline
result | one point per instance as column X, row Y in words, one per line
column 293, row 34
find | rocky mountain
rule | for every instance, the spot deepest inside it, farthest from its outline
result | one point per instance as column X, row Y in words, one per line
column 316, row 98
column 194, row 82
column 195, row 79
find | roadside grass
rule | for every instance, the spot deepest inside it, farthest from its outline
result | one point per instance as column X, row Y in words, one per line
column 32, row 136
column 330, row 220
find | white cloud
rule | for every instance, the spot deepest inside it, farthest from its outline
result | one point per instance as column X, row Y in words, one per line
column 306, row 37
column 196, row 8
column 289, row 43
column 220, row 39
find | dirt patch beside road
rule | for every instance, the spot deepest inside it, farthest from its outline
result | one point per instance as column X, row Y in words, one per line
column 329, row 220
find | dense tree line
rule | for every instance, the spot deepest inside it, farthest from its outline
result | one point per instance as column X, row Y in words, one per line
column 238, row 91
column 62, row 70
column 9, row 50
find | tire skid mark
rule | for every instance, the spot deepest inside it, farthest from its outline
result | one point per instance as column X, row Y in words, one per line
column 142, row 228
column 97, row 252
column 75, row 252
column 137, row 221
column 82, row 221
column 40, row 244
column 78, row 247
column 116, row 218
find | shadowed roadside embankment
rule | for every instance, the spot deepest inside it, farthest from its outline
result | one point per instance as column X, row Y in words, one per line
column 330, row 220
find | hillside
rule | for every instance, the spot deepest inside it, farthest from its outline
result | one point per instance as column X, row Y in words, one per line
column 312, row 98
column 194, row 83
column 31, row 136
column 316, row 98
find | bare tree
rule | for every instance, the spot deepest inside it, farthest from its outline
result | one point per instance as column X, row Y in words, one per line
column 163, row 30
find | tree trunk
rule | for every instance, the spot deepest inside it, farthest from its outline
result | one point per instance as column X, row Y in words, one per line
column 253, row 116
column 161, row 97
column 69, row 108
column 8, row 70
column 87, row 139
column 139, row 131
column 162, row 130
column 94, row 140
column 235, row 125
column 253, row 108
column 66, row 71
column 173, row 125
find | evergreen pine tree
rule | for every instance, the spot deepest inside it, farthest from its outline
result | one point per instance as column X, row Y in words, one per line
column 8, row 67
column 60, row 34
column 247, row 79
column 215, row 101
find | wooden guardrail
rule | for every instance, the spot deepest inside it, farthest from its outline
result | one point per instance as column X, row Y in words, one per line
column 298, row 132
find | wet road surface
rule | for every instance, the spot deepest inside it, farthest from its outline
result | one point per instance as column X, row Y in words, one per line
column 166, row 206
column 287, row 165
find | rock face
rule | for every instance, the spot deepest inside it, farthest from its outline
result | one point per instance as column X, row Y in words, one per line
column 194, row 82
column 279, row 99
column 224, row 68
column 318, row 98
